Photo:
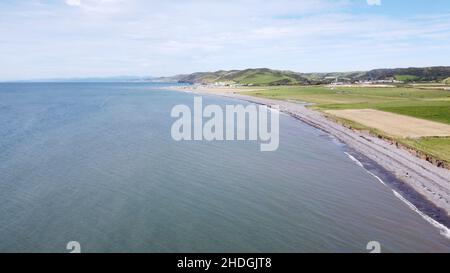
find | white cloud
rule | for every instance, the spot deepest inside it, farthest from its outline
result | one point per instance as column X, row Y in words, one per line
column 113, row 37
column 97, row 6
column 374, row 2
column 73, row 2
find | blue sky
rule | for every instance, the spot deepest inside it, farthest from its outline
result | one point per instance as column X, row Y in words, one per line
column 82, row 38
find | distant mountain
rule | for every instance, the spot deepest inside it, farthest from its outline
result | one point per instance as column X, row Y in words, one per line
column 265, row 76
column 95, row 79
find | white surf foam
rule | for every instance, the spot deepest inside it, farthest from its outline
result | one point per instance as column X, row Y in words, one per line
column 362, row 166
column 379, row 179
column 442, row 229
column 355, row 160
column 277, row 111
column 445, row 231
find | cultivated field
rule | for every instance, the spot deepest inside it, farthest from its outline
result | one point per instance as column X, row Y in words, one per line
column 394, row 124
column 417, row 102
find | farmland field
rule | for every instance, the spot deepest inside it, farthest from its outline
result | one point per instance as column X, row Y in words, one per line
column 427, row 104
column 394, row 124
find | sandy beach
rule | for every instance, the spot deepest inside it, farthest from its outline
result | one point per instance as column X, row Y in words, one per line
column 428, row 180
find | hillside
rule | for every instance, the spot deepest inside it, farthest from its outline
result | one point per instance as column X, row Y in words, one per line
column 437, row 73
column 270, row 77
column 318, row 78
column 260, row 76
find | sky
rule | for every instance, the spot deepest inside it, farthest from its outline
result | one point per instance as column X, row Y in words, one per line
column 89, row 38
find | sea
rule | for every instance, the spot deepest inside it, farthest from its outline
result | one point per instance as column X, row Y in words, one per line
column 95, row 164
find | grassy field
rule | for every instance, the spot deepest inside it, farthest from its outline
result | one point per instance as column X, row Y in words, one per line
column 394, row 125
column 436, row 147
column 262, row 78
column 429, row 104
column 406, row 78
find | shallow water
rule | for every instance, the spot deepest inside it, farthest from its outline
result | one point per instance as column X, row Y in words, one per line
column 95, row 163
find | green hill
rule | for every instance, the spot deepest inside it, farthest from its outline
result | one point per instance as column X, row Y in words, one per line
column 424, row 74
column 270, row 77
column 259, row 76
column 446, row 81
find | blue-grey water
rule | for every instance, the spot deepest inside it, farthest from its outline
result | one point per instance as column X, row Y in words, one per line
column 95, row 163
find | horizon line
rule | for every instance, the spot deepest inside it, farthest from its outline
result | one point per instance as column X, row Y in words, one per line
column 122, row 78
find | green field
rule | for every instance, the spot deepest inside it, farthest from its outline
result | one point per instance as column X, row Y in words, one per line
column 437, row 147
column 263, row 78
column 429, row 104
column 406, row 78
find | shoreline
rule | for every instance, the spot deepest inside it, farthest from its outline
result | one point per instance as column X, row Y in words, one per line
column 425, row 179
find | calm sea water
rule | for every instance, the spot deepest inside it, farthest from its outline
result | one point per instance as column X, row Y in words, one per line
column 95, row 163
